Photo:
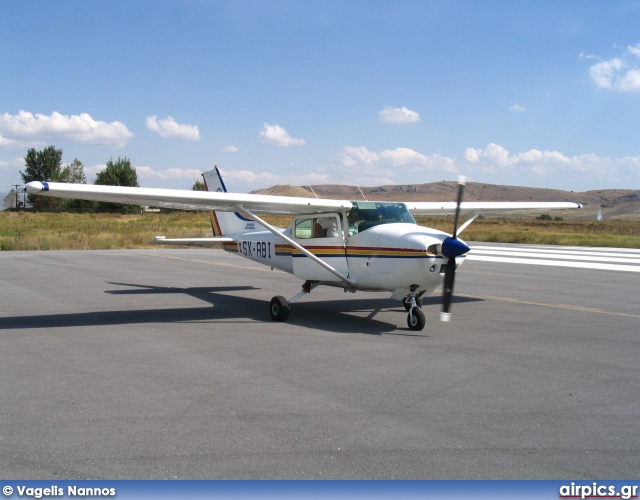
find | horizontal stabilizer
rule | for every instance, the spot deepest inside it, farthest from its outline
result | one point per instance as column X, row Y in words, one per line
column 191, row 242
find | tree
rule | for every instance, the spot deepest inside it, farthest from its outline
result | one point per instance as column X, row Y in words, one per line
column 74, row 174
column 10, row 200
column 198, row 186
column 45, row 165
column 118, row 173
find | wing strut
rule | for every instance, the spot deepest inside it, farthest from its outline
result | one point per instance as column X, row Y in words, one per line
column 306, row 252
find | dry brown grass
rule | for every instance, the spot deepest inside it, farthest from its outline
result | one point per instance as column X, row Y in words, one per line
column 43, row 231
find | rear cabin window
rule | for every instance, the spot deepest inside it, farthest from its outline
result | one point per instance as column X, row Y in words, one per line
column 317, row 227
column 366, row 214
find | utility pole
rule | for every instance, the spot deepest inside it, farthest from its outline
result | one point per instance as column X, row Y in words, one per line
column 16, row 186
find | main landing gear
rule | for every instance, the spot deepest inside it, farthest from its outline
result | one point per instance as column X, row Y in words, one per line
column 279, row 307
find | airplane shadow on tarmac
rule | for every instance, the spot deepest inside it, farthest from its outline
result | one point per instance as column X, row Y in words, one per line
column 342, row 316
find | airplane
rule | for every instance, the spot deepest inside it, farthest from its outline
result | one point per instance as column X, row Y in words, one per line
column 354, row 245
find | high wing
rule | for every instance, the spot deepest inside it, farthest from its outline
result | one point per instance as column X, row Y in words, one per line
column 231, row 202
column 188, row 200
column 439, row 208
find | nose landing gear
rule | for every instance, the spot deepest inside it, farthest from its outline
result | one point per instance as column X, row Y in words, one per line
column 415, row 318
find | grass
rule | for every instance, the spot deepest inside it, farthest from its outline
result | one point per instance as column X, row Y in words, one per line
column 64, row 231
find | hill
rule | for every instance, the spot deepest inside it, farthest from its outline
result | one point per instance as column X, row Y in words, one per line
column 615, row 203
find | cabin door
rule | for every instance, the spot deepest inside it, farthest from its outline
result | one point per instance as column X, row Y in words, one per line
column 323, row 236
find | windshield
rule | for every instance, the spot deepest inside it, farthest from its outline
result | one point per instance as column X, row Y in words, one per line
column 366, row 214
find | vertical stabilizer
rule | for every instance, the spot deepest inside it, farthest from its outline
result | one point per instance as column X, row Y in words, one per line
column 225, row 223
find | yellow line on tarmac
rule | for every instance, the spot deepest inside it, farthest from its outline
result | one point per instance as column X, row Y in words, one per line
column 557, row 306
column 198, row 261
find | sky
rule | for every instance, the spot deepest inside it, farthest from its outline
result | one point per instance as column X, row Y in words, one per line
column 529, row 93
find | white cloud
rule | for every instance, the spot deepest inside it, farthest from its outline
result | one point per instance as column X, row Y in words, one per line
column 634, row 50
column 275, row 134
column 91, row 171
column 11, row 164
column 170, row 178
column 587, row 57
column 13, row 143
column 630, row 82
column 369, row 168
column 493, row 155
column 169, row 174
column 605, row 74
column 26, row 129
column 398, row 115
column 495, row 159
column 246, row 180
column 516, row 108
column 230, row 149
column 168, row 127
column 393, row 158
column 620, row 74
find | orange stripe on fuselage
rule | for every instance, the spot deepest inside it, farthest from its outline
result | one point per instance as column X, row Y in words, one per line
column 230, row 247
column 365, row 251
column 316, row 250
column 387, row 252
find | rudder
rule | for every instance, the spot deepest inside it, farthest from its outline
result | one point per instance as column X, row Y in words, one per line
column 225, row 223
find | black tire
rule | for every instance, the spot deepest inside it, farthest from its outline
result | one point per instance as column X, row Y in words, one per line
column 416, row 321
column 279, row 308
column 406, row 302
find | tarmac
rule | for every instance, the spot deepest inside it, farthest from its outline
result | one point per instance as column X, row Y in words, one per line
column 151, row 364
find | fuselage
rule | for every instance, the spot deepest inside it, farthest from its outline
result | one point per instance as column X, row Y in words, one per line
column 386, row 257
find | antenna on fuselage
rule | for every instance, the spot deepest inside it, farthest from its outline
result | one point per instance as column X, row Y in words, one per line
column 314, row 193
column 363, row 196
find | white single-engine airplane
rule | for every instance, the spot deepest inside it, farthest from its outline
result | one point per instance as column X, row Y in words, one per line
column 353, row 245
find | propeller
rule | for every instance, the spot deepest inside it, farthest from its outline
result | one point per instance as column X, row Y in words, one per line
column 452, row 247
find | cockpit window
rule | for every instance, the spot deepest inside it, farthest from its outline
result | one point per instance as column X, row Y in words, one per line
column 366, row 214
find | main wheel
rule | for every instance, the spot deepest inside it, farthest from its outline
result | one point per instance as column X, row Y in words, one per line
column 279, row 308
column 406, row 302
column 416, row 320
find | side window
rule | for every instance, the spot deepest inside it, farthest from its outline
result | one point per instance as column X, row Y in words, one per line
column 317, row 227
column 303, row 229
column 330, row 227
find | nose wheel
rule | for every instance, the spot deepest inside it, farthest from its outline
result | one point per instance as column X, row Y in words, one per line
column 415, row 318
